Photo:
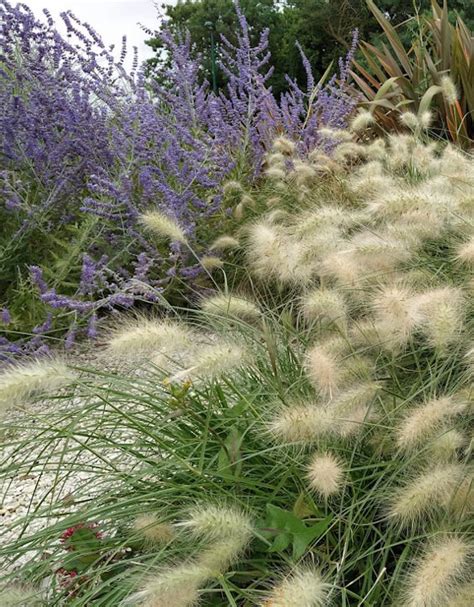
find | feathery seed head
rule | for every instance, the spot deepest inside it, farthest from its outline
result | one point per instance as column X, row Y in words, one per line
column 212, row 361
column 325, row 474
column 303, row 588
column 465, row 252
column 25, row 380
column 301, row 423
column 163, row 226
column 232, row 187
column 429, row 492
column 139, row 338
column 349, row 151
column 335, row 134
column 173, row 587
column 462, row 596
column 224, row 242
column 276, row 158
column 442, row 312
column 425, row 420
column 324, row 366
column 445, row 447
column 230, row 306
column 326, row 305
column 303, row 172
column 284, row 146
column 210, row 262
column 449, row 90
column 397, row 316
column 354, row 407
column 152, row 530
column 362, row 121
column 213, row 522
column 410, row 120
column 436, row 575
column 426, row 119
column 276, row 172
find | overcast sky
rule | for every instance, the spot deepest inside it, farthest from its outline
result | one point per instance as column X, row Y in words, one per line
column 111, row 18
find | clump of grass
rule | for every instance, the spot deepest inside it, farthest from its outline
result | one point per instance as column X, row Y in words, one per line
column 305, row 446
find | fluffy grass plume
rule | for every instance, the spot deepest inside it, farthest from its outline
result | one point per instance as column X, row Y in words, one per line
column 449, row 90
column 285, row 146
column 465, row 252
column 424, row 495
column 436, row 575
column 173, row 587
column 442, row 312
column 327, row 306
column 325, row 474
column 19, row 382
column 161, row 225
column 230, row 306
column 301, row 423
column 362, row 120
column 213, row 522
column 305, row 587
column 210, row 262
column 324, row 365
column 224, row 242
column 140, row 337
column 462, row 596
column 396, row 316
column 153, row 530
column 210, row 361
column 423, row 421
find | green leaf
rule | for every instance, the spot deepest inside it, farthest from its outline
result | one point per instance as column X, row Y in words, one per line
column 302, row 540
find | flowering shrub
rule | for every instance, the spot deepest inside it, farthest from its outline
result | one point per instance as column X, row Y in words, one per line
column 87, row 148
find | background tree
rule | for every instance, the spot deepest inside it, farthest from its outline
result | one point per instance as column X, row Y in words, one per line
column 322, row 27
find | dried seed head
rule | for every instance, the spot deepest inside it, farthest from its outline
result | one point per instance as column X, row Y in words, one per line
column 276, row 172
column 362, row 121
column 410, row 120
column 324, row 365
column 210, row 263
column 442, row 311
column 301, row 423
column 303, row 588
column 462, row 596
column 436, row 575
column 424, row 421
column 230, row 306
column 138, row 338
column 232, row 187
column 163, row 226
column 224, row 242
column 284, row 146
column 397, row 316
column 425, row 494
column 326, row 305
column 213, row 522
column 325, row 474
column 465, row 253
column 449, row 90
column 426, row 119
column 20, row 382
column 212, row 361
column 444, row 448
column 152, row 530
column 173, row 587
